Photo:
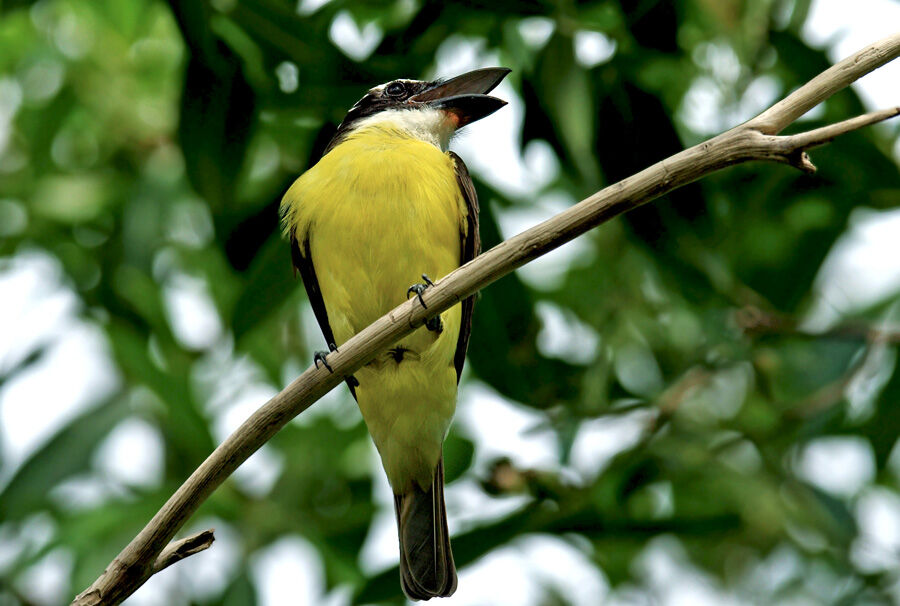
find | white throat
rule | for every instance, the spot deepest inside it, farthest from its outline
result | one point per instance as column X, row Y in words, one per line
column 427, row 124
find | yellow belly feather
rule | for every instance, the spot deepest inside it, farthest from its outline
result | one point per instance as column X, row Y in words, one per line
column 380, row 209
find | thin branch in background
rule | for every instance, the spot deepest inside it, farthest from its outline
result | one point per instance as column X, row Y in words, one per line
column 753, row 140
column 753, row 321
column 672, row 397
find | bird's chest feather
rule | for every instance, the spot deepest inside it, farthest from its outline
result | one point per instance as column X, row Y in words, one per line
column 379, row 213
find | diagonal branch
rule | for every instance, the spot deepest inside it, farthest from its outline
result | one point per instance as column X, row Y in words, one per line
column 753, row 140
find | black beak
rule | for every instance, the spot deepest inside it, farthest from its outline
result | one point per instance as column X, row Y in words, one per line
column 466, row 96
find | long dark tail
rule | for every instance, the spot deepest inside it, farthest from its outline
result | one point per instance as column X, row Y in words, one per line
column 426, row 561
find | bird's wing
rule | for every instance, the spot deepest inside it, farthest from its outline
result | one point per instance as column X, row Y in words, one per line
column 302, row 257
column 470, row 246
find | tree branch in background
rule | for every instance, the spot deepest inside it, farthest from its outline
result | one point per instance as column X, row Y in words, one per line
column 753, row 321
column 754, row 140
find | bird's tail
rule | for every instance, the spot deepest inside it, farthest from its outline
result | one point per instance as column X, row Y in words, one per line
column 426, row 562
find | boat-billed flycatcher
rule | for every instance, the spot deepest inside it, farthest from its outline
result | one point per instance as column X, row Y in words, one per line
column 384, row 205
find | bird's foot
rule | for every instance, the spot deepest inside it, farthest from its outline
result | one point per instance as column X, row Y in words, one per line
column 433, row 324
column 419, row 289
column 320, row 356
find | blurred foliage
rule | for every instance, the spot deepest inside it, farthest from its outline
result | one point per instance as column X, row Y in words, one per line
column 145, row 146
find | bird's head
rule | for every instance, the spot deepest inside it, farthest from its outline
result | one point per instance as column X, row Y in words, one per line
column 432, row 111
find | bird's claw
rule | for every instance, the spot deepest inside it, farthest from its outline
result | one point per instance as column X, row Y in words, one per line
column 320, row 356
column 433, row 324
column 419, row 289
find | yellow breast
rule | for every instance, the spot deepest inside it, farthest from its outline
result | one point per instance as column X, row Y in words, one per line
column 380, row 209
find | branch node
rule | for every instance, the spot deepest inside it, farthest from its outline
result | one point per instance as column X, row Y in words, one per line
column 800, row 160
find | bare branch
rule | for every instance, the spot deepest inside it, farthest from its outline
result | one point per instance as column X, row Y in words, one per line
column 835, row 78
column 821, row 136
column 753, row 140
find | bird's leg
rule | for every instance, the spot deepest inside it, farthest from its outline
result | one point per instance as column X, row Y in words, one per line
column 433, row 324
column 320, row 356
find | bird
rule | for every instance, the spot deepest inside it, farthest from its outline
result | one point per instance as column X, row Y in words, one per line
column 387, row 205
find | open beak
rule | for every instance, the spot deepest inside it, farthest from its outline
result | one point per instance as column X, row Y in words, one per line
column 465, row 97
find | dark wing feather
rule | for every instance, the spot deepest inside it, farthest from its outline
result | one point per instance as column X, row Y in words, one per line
column 470, row 246
column 302, row 257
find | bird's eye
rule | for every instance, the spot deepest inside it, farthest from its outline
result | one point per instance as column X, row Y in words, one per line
column 395, row 89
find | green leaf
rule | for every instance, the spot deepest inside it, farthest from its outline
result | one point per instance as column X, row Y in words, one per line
column 213, row 132
column 240, row 592
column 7, row 6
column 67, row 453
column 883, row 429
column 458, row 454
column 269, row 282
column 218, row 108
